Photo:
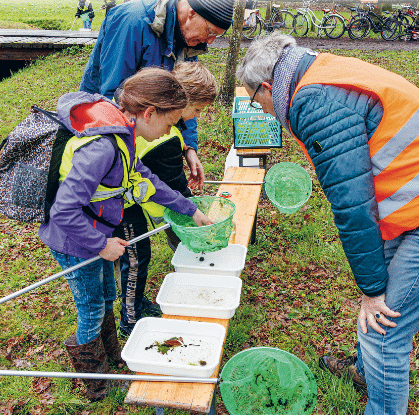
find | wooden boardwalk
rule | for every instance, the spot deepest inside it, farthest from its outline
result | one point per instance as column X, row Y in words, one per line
column 31, row 44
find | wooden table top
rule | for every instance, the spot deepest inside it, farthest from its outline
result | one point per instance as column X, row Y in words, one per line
column 198, row 396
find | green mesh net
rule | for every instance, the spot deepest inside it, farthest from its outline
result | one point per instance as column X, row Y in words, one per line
column 267, row 381
column 288, row 186
column 204, row 238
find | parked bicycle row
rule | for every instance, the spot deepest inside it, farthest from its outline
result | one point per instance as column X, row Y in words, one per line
column 401, row 23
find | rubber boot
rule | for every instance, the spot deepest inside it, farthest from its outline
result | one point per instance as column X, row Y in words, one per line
column 110, row 339
column 90, row 358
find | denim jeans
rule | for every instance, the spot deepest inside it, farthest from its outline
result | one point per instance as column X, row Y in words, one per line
column 87, row 24
column 94, row 291
column 384, row 360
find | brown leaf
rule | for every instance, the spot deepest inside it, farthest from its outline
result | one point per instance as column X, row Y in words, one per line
column 21, row 363
column 47, row 398
column 41, row 385
column 172, row 343
column 57, row 352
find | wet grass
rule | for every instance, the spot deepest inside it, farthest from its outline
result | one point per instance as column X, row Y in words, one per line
column 298, row 292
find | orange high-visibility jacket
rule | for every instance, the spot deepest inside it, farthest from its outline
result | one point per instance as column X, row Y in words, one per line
column 394, row 147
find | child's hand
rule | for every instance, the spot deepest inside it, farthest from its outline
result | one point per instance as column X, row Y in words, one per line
column 197, row 177
column 200, row 219
column 114, row 249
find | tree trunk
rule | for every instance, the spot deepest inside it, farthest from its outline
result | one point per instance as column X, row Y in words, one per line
column 268, row 10
column 226, row 94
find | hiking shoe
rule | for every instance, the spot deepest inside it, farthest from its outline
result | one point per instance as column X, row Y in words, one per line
column 125, row 329
column 149, row 309
column 344, row 368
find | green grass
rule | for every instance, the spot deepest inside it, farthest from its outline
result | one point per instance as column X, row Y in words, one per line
column 48, row 14
column 298, row 291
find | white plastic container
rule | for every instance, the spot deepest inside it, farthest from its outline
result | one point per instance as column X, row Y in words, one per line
column 204, row 344
column 227, row 261
column 200, row 295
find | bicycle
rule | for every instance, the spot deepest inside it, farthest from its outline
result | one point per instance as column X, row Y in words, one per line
column 281, row 20
column 406, row 15
column 333, row 25
column 347, row 20
column 389, row 27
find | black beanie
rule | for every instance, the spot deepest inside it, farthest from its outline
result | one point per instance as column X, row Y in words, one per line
column 217, row 12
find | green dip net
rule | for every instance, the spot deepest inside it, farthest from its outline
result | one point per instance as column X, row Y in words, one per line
column 288, row 186
column 204, row 238
column 267, row 381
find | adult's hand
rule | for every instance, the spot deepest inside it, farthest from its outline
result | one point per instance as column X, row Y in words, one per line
column 196, row 179
column 200, row 219
column 114, row 248
column 373, row 307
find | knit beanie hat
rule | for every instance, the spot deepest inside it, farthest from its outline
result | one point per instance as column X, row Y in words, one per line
column 217, row 12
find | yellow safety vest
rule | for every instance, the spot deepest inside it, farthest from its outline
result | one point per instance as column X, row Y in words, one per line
column 134, row 188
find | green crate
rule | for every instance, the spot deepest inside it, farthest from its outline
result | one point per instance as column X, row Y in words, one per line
column 253, row 128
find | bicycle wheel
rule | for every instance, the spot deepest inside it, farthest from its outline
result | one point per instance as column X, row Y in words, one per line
column 251, row 32
column 333, row 26
column 300, row 25
column 359, row 28
column 392, row 29
column 283, row 22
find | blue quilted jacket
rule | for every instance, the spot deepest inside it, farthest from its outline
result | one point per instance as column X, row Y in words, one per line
column 342, row 121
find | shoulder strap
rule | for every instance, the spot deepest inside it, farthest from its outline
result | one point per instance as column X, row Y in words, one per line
column 112, row 139
column 51, row 115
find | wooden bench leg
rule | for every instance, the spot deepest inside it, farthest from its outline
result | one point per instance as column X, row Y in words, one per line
column 253, row 234
column 159, row 411
column 213, row 409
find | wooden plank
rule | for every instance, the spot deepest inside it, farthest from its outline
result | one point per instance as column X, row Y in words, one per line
column 246, row 199
column 47, row 33
column 241, row 92
column 11, row 54
column 253, row 152
column 181, row 396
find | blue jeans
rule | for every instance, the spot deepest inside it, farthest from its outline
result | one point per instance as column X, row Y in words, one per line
column 94, row 291
column 87, row 24
column 384, row 360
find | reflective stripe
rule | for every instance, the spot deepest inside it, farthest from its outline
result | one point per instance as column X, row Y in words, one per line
column 396, row 145
column 397, row 200
column 107, row 194
column 143, row 186
column 156, row 220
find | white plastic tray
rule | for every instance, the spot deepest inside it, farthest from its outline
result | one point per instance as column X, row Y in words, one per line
column 209, row 338
column 207, row 295
column 227, row 261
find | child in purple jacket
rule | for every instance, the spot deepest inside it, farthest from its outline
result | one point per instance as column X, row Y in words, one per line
column 98, row 172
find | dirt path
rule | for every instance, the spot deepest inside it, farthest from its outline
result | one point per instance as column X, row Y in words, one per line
column 342, row 43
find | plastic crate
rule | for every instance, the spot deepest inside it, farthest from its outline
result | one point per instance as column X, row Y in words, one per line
column 227, row 261
column 253, row 128
column 199, row 295
column 151, row 329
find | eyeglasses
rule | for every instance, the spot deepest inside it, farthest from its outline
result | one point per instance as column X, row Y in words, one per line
column 208, row 29
column 254, row 104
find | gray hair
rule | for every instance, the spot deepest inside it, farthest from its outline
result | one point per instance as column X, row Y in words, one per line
column 259, row 62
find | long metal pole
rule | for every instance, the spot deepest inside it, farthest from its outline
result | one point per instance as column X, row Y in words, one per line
column 71, row 375
column 73, row 23
column 229, row 182
column 71, row 269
